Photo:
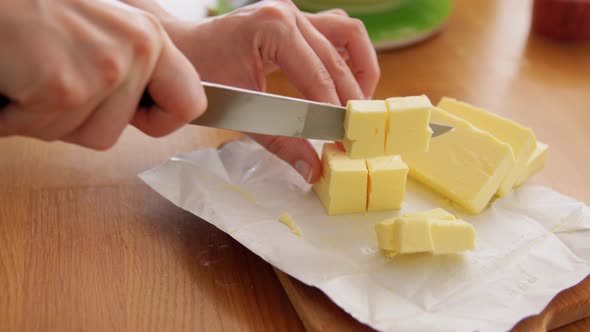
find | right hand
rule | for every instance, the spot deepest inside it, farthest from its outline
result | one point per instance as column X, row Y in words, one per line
column 74, row 70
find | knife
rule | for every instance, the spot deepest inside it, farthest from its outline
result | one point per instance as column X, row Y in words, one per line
column 264, row 113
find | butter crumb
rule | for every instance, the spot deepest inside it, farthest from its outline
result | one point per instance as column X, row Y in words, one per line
column 287, row 219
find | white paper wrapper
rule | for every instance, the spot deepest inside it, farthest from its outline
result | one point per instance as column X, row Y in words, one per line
column 530, row 245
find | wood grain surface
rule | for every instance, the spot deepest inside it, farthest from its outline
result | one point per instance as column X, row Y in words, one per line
column 487, row 56
column 86, row 246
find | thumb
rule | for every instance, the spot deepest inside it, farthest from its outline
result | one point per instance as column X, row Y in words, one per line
column 297, row 152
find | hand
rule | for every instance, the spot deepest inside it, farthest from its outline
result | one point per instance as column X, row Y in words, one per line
column 241, row 48
column 75, row 71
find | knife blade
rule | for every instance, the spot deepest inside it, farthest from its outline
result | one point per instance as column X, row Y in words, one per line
column 263, row 113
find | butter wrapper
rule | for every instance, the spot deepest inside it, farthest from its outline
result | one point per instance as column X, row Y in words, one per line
column 531, row 244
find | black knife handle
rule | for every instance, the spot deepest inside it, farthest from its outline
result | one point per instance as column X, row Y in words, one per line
column 145, row 101
column 4, row 101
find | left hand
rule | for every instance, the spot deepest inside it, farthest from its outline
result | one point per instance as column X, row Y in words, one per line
column 327, row 56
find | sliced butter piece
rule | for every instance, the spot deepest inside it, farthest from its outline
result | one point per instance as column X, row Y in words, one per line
column 451, row 236
column 387, row 183
column 408, row 128
column 386, row 234
column 435, row 231
column 522, row 140
column 437, row 213
column 412, row 235
column 343, row 185
column 535, row 163
column 364, row 125
column 467, row 165
column 425, row 232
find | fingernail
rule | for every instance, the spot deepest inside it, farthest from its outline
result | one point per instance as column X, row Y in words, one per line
column 302, row 167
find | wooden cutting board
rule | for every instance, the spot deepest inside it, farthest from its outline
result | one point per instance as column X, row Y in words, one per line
column 319, row 313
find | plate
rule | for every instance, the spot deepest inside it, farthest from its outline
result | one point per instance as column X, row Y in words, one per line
column 393, row 24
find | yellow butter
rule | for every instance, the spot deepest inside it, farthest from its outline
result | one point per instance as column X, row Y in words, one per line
column 288, row 221
column 467, row 165
column 387, row 183
column 451, row 236
column 408, row 127
column 535, row 163
column 522, row 140
column 343, row 185
column 435, row 231
column 437, row 213
column 412, row 235
column 364, row 125
column 386, row 235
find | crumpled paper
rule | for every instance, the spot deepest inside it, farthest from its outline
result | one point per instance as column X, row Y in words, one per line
column 530, row 245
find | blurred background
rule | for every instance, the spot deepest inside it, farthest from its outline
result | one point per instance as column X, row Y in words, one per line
column 397, row 23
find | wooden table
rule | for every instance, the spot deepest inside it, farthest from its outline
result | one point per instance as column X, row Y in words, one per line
column 86, row 246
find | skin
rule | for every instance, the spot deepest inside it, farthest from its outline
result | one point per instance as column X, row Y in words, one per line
column 75, row 70
column 328, row 57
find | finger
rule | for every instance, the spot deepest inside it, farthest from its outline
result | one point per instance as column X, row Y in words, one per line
column 351, row 34
column 345, row 82
column 335, row 11
column 297, row 152
column 176, row 88
column 305, row 70
column 61, row 92
column 104, row 126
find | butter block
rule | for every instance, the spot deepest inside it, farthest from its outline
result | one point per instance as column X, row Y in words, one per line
column 435, row 231
column 387, row 183
column 466, row 165
column 521, row 139
column 408, row 128
column 364, row 125
column 437, row 213
column 386, row 234
column 412, row 236
column 451, row 236
column 535, row 163
column 343, row 185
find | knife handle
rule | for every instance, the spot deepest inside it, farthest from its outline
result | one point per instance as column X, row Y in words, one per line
column 4, row 101
column 145, row 101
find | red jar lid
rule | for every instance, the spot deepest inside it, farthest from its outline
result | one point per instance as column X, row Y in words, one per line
column 562, row 20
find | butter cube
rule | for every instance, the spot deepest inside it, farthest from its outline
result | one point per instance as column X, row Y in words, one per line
column 386, row 234
column 412, row 235
column 408, row 127
column 467, row 165
column 387, row 183
column 364, row 124
column 535, row 163
column 451, row 236
column 437, row 213
column 522, row 140
column 343, row 185
column 435, row 231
